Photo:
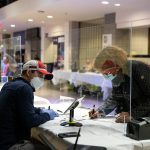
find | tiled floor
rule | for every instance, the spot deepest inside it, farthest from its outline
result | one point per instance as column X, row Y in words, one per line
column 53, row 93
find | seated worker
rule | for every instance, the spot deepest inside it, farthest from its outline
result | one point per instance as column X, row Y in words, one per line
column 17, row 113
column 125, row 75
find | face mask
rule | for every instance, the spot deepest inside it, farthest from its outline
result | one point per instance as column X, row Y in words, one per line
column 118, row 80
column 37, row 82
column 110, row 76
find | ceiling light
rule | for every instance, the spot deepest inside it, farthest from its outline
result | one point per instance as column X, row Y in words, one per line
column 30, row 20
column 117, row 4
column 50, row 17
column 105, row 2
column 13, row 25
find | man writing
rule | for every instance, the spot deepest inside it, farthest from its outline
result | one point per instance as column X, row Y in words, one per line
column 131, row 85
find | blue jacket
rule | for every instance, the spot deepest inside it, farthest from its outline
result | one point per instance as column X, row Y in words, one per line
column 17, row 113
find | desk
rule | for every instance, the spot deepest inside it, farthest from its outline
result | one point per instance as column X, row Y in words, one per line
column 88, row 77
column 97, row 132
column 41, row 102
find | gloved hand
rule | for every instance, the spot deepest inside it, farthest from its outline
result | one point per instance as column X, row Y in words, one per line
column 51, row 112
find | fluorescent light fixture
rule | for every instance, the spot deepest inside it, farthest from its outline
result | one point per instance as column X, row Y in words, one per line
column 30, row 20
column 105, row 2
column 117, row 4
column 49, row 17
column 13, row 25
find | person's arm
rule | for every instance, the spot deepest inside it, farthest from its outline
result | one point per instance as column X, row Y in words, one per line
column 140, row 73
column 107, row 106
column 26, row 109
column 37, row 110
column 104, row 109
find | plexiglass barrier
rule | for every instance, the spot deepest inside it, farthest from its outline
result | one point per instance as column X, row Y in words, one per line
column 89, row 74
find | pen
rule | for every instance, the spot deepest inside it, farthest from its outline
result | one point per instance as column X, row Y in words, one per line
column 49, row 107
column 93, row 110
column 59, row 111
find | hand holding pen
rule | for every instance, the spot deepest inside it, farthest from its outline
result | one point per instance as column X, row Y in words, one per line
column 93, row 113
column 93, row 110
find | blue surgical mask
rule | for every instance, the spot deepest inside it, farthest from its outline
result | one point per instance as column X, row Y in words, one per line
column 118, row 80
column 109, row 76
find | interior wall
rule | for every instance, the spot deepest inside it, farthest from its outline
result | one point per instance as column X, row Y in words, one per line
column 90, row 43
column 27, row 51
column 133, row 18
column 139, row 41
column 35, row 48
column 56, row 30
column 123, row 39
column 50, row 51
column 74, row 45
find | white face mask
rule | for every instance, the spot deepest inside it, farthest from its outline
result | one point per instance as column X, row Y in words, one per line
column 37, row 82
column 110, row 76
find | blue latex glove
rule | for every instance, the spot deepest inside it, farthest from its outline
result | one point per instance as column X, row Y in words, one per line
column 51, row 112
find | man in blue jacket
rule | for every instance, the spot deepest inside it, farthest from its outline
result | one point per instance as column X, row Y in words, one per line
column 17, row 113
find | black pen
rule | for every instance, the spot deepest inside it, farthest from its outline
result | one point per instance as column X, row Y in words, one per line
column 49, row 107
column 93, row 110
column 59, row 111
